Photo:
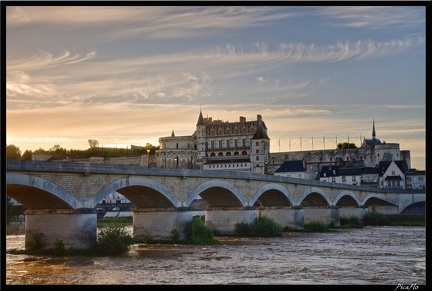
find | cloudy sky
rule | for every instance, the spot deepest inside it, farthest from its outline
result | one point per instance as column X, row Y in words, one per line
column 129, row 75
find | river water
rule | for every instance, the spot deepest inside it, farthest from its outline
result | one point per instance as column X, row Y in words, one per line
column 373, row 255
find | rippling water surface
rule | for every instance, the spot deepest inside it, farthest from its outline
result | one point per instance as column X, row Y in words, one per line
column 371, row 255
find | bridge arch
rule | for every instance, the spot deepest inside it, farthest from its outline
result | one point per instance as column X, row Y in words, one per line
column 156, row 195
column 272, row 195
column 314, row 197
column 378, row 199
column 46, row 195
column 347, row 198
column 217, row 193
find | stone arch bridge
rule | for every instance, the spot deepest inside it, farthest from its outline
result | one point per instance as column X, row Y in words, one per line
column 61, row 197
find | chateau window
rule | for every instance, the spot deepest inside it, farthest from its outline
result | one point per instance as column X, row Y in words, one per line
column 257, row 158
column 257, row 143
column 257, row 151
column 212, row 144
column 244, row 142
column 235, row 143
column 177, row 145
column 220, row 144
column 393, row 173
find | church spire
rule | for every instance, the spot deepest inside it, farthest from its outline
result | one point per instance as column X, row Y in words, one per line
column 373, row 129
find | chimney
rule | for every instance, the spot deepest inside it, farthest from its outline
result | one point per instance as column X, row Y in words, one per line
column 259, row 119
column 242, row 119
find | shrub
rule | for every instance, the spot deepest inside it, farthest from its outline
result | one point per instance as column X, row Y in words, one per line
column 175, row 236
column 350, row 222
column 197, row 232
column 376, row 218
column 260, row 227
column 36, row 241
column 145, row 238
column 316, row 226
column 113, row 239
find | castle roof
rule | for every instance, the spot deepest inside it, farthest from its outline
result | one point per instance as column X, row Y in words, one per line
column 261, row 132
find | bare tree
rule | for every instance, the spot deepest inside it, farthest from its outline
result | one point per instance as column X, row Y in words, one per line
column 93, row 143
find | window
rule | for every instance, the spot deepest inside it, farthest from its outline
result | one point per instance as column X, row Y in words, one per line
column 344, row 179
column 257, row 152
column 257, row 143
column 393, row 173
column 257, row 158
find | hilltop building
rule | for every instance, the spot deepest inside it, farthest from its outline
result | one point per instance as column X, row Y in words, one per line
column 245, row 146
column 218, row 145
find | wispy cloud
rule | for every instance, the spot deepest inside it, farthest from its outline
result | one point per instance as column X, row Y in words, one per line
column 375, row 17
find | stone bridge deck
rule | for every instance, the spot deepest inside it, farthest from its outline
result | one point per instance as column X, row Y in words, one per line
column 60, row 198
column 52, row 185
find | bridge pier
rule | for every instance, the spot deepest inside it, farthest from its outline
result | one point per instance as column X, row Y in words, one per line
column 291, row 217
column 359, row 212
column 327, row 216
column 159, row 223
column 223, row 221
column 75, row 228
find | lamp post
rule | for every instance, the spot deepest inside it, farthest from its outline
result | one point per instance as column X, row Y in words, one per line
column 148, row 158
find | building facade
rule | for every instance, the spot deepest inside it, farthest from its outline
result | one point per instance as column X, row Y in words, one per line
column 218, row 145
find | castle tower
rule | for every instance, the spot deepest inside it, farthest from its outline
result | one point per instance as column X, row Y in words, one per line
column 260, row 149
column 200, row 141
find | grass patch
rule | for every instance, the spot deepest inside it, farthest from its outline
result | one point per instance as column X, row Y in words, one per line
column 396, row 220
column 260, row 227
column 350, row 222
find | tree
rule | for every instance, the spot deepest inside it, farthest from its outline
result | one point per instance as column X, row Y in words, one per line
column 58, row 150
column 27, row 155
column 93, row 143
column 346, row 145
column 13, row 152
column 40, row 151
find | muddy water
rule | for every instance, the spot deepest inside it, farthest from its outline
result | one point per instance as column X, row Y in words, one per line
column 372, row 255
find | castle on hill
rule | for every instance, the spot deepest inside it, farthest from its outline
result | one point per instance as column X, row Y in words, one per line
column 245, row 146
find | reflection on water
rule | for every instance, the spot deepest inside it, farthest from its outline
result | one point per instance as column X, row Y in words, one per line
column 372, row 255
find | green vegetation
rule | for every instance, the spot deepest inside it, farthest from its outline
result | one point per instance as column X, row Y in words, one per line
column 113, row 239
column 198, row 233
column 260, row 227
column 36, row 241
column 58, row 153
column 376, row 218
column 313, row 226
column 350, row 222
column 346, row 145
column 407, row 221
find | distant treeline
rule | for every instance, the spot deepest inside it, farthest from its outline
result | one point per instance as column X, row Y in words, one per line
column 57, row 152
